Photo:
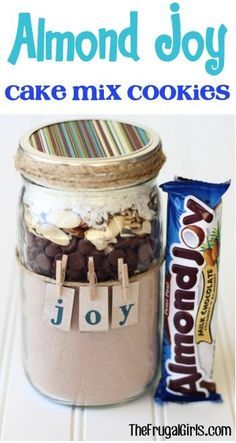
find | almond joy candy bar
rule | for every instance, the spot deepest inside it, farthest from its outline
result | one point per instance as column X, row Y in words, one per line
column 192, row 263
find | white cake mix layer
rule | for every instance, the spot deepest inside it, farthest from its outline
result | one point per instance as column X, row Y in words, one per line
column 91, row 206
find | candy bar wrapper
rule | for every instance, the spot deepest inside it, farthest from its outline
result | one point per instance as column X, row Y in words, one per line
column 192, row 266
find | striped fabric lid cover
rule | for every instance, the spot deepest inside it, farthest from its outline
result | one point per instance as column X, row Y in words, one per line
column 89, row 139
column 89, row 154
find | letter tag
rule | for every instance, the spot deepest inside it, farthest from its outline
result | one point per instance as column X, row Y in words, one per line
column 125, row 313
column 58, row 309
column 93, row 313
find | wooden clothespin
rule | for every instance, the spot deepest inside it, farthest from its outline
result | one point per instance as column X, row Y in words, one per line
column 60, row 274
column 92, row 278
column 124, row 278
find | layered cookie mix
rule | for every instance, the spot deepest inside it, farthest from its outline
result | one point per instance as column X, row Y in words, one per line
column 125, row 225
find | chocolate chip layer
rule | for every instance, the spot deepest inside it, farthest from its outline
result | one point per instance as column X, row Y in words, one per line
column 138, row 252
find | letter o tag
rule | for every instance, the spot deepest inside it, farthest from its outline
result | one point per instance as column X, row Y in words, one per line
column 93, row 317
column 93, row 313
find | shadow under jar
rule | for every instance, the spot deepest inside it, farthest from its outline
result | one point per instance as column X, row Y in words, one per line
column 89, row 192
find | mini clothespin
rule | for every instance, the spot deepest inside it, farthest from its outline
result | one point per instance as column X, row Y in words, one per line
column 60, row 273
column 92, row 278
column 124, row 278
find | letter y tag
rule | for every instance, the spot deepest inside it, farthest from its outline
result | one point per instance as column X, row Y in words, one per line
column 125, row 313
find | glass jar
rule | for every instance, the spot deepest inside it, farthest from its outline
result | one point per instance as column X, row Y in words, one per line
column 89, row 198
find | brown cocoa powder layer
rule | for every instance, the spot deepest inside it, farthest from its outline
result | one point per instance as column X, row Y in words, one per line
column 90, row 368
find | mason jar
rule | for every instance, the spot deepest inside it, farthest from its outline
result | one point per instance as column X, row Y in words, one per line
column 89, row 252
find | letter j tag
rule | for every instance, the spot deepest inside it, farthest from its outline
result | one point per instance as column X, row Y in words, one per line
column 58, row 309
column 125, row 313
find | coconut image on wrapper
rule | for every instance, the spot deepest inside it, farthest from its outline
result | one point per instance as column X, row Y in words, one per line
column 89, row 255
column 192, row 236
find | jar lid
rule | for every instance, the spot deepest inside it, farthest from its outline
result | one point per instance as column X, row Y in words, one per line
column 89, row 154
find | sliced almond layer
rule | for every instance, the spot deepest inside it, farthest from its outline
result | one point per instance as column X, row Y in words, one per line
column 54, row 234
column 77, row 232
column 97, row 237
column 146, row 227
column 63, row 219
column 115, row 226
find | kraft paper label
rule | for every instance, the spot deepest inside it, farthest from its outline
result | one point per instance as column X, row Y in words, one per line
column 93, row 313
column 58, row 307
column 125, row 313
column 207, row 303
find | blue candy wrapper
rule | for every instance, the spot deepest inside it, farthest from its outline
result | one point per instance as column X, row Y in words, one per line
column 191, row 276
